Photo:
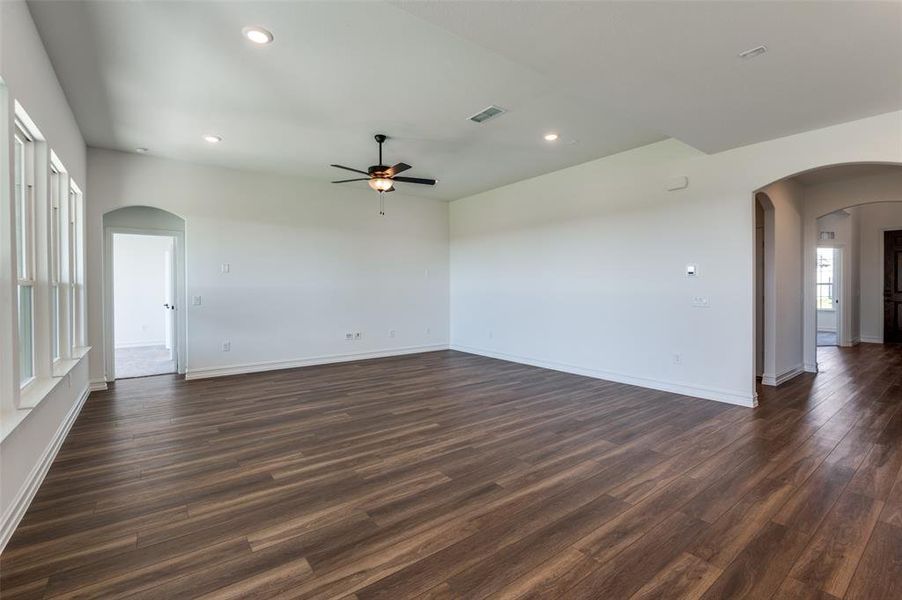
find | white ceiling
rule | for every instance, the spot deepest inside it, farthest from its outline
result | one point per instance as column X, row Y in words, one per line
column 608, row 76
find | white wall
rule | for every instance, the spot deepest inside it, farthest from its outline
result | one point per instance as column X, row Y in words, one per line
column 874, row 220
column 583, row 269
column 139, row 289
column 26, row 449
column 309, row 261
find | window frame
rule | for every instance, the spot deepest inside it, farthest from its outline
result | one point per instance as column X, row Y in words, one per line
column 26, row 232
column 76, row 266
column 55, row 280
column 830, row 285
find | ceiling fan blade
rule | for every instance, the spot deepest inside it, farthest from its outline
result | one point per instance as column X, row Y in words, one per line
column 398, row 168
column 414, row 180
column 391, row 189
column 350, row 169
column 347, row 180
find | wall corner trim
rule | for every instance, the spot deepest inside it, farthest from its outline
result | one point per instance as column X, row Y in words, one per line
column 785, row 376
column 25, row 495
column 727, row 396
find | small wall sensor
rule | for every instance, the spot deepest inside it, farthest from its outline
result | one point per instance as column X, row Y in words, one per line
column 677, row 183
column 691, row 270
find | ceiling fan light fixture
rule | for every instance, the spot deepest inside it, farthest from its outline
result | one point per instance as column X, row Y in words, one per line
column 380, row 184
column 257, row 34
column 212, row 139
column 551, row 137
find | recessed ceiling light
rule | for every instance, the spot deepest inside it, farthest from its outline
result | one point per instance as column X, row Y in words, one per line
column 753, row 52
column 213, row 139
column 551, row 137
column 141, row 150
column 258, row 35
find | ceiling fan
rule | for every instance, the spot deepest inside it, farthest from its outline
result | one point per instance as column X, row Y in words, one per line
column 382, row 178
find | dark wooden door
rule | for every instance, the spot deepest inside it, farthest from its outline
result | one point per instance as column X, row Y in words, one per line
column 892, row 287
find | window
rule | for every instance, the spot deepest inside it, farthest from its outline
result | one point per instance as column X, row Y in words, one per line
column 825, row 278
column 76, row 274
column 55, row 262
column 24, row 207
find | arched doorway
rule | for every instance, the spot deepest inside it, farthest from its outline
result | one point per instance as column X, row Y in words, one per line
column 799, row 203
column 144, row 273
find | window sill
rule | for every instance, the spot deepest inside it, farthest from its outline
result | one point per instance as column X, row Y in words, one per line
column 826, row 310
column 62, row 367
column 36, row 391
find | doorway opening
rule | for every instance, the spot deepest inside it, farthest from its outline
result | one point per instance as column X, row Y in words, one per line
column 765, row 281
column 144, row 283
column 828, row 279
column 144, row 303
column 892, row 286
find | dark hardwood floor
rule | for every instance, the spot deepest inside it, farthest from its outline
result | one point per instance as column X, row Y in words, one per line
column 447, row 475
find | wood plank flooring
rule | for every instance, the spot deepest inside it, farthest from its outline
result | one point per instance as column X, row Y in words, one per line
column 448, row 475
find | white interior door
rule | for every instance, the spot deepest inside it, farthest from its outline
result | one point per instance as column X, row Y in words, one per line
column 169, row 304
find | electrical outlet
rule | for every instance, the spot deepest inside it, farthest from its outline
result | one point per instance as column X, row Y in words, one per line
column 391, row 333
column 224, row 268
column 227, row 346
column 428, row 330
column 357, row 335
column 700, row 302
column 349, row 336
column 676, row 359
column 196, row 301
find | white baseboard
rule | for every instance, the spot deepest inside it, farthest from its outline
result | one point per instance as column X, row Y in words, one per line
column 97, row 385
column 783, row 377
column 10, row 520
column 730, row 397
column 870, row 339
column 810, row 367
column 306, row 362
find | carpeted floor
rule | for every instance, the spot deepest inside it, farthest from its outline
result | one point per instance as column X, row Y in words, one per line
column 143, row 360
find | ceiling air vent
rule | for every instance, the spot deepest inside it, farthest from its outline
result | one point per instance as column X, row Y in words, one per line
column 489, row 113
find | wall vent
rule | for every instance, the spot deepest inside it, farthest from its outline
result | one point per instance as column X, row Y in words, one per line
column 489, row 113
column 828, row 235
